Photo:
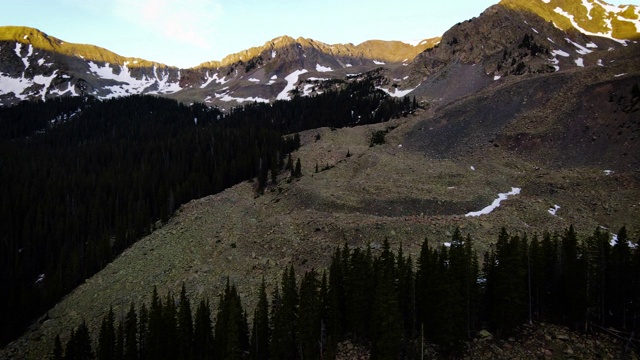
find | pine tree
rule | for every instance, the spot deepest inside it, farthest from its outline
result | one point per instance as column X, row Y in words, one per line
column 130, row 336
column 507, row 280
column 203, row 332
column 78, row 346
column 427, row 277
column 57, row 349
column 386, row 322
column 310, row 317
column 620, row 280
column 289, row 166
column 359, row 286
column 573, row 280
column 106, row 337
column 298, row 170
column 143, row 332
column 597, row 252
column 169, row 330
column 155, row 338
column 284, row 344
column 261, row 332
column 118, row 353
column 185, row 326
column 231, row 336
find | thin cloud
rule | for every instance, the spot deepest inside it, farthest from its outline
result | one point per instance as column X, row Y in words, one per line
column 189, row 21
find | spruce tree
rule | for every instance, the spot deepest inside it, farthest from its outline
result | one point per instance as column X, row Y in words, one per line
column 261, row 332
column 203, row 332
column 78, row 346
column 58, row 352
column 106, row 337
column 155, row 338
column 284, row 344
column 298, row 170
column 620, row 281
column 185, row 326
column 231, row 330
column 169, row 329
column 574, row 292
column 130, row 334
column 118, row 353
column 310, row 317
column 386, row 322
column 143, row 332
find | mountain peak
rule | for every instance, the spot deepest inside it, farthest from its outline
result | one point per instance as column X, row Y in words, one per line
column 591, row 17
column 40, row 40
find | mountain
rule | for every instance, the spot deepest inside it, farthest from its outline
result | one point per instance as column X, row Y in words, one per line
column 514, row 37
column 510, row 100
column 34, row 65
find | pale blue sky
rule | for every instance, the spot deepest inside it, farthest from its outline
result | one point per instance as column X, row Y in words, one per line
column 186, row 33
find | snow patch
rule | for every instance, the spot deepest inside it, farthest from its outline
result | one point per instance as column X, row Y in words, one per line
column 579, row 62
column 273, row 54
column 614, row 240
column 321, row 68
column 553, row 210
column 227, row 98
column 308, row 88
column 18, row 51
column 581, row 49
column 291, row 79
column 254, row 80
column 40, row 278
column 496, row 77
column 158, row 84
column 600, row 63
column 608, row 172
column 397, row 92
column 378, row 62
column 210, row 79
column 589, row 7
column 14, row 85
column 546, row 1
column 618, row 75
column 560, row 52
column 46, row 81
column 495, row 203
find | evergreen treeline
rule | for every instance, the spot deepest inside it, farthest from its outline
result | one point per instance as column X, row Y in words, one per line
column 383, row 303
column 83, row 179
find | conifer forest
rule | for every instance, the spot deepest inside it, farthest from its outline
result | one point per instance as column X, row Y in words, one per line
column 83, row 179
column 388, row 302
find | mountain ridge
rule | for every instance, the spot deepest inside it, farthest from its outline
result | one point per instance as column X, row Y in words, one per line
column 260, row 73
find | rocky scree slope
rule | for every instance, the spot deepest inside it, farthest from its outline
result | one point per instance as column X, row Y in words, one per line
column 506, row 40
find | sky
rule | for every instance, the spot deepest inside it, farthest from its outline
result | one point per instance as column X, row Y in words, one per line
column 186, row 33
